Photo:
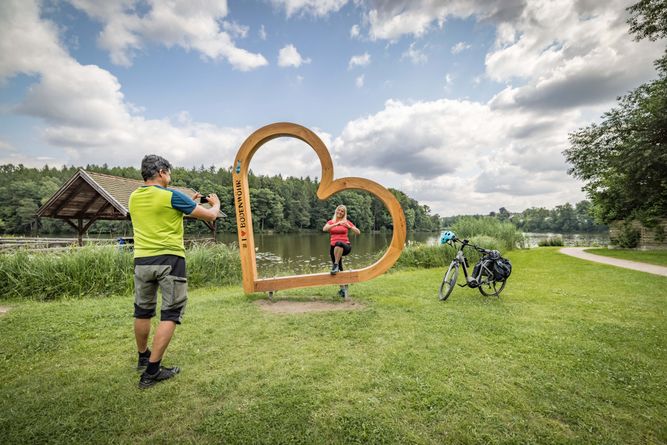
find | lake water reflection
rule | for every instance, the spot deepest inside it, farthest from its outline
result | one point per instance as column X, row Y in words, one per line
column 309, row 252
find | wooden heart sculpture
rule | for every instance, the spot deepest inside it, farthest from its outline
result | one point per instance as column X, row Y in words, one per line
column 327, row 187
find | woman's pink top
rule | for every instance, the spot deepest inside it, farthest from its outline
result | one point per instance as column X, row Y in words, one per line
column 339, row 233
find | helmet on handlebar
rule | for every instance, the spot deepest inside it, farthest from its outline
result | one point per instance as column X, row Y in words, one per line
column 446, row 236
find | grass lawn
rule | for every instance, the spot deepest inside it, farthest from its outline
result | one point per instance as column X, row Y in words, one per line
column 658, row 257
column 572, row 352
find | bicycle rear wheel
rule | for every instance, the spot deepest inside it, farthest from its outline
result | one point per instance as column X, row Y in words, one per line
column 489, row 287
column 449, row 281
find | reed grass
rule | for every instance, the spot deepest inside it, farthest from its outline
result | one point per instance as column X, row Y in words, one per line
column 421, row 256
column 551, row 242
column 100, row 271
column 505, row 232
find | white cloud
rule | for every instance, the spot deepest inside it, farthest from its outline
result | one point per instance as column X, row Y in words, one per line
column 235, row 29
column 262, row 32
column 359, row 81
column 189, row 25
column 392, row 19
column 568, row 54
column 441, row 150
column 551, row 55
column 318, row 8
column 84, row 110
column 460, row 47
column 360, row 60
column 416, row 56
column 354, row 31
column 21, row 51
column 289, row 56
column 394, row 26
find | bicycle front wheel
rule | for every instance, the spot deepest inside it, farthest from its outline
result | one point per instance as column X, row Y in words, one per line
column 449, row 281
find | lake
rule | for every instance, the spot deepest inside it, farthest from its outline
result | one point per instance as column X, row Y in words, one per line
column 309, row 252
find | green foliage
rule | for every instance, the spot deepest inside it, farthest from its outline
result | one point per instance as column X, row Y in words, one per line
column 422, row 256
column 91, row 271
column 562, row 218
column 648, row 19
column 101, row 271
column 212, row 265
column 559, row 358
column 278, row 204
column 628, row 237
column 467, row 227
column 551, row 241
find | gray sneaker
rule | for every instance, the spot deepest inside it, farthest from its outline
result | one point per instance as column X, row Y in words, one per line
column 148, row 380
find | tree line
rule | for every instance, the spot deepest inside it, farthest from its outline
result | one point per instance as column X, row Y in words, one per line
column 566, row 218
column 278, row 204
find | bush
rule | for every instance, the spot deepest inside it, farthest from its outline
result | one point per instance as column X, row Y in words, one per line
column 505, row 233
column 555, row 241
column 213, row 264
column 628, row 237
column 99, row 271
column 423, row 256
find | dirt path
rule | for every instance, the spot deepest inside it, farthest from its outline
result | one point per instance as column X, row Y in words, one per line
column 3, row 310
column 300, row 307
column 643, row 267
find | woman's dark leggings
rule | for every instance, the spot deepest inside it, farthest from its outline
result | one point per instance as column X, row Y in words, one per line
column 346, row 249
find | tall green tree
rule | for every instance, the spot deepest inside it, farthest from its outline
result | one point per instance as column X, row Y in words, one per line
column 623, row 159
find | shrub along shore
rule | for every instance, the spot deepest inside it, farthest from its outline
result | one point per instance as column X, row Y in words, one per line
column 103, row 271
column 100, row 271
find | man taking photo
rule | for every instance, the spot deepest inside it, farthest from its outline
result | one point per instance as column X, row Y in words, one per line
column 159, row 261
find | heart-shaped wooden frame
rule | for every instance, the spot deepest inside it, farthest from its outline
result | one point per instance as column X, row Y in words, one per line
column 327, row 188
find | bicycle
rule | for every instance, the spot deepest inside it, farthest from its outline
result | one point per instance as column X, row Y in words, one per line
column 482, row 278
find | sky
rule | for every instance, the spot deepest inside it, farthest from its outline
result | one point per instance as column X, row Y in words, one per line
column 465, row 105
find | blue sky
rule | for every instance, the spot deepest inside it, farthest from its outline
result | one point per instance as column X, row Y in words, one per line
column 464, row 105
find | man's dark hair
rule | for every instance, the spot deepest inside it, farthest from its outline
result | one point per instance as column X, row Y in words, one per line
column 151, row 166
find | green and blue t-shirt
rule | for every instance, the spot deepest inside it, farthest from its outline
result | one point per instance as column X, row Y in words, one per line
column 157, row 220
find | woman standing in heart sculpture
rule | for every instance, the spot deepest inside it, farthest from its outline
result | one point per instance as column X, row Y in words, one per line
column 338, row 227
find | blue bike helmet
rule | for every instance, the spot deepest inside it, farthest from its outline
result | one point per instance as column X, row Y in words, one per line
column 446, row 236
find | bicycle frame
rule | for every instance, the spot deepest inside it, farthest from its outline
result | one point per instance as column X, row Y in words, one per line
column 460, row 258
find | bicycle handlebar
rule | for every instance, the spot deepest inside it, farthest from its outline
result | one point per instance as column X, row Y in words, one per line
column 466, row 243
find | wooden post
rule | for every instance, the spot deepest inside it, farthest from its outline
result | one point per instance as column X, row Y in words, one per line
column 328, row 187
column 80, row 231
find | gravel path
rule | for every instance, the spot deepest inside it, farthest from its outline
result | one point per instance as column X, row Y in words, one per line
column 643, row 267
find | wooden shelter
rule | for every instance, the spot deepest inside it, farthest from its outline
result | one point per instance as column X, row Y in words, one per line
column 87, row 197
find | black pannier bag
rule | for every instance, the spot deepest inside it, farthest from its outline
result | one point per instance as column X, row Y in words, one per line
column 502, row 269
column 499, row 266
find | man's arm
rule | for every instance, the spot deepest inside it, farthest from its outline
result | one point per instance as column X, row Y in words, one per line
column 201, row 212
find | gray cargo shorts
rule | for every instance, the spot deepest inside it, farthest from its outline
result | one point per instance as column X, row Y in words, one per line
column 168, row 273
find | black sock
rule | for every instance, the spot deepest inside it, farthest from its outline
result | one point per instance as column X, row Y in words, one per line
column 146, row 353
column 153, row 367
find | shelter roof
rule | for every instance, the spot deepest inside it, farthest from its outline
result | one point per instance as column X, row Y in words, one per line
column 89, row 195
